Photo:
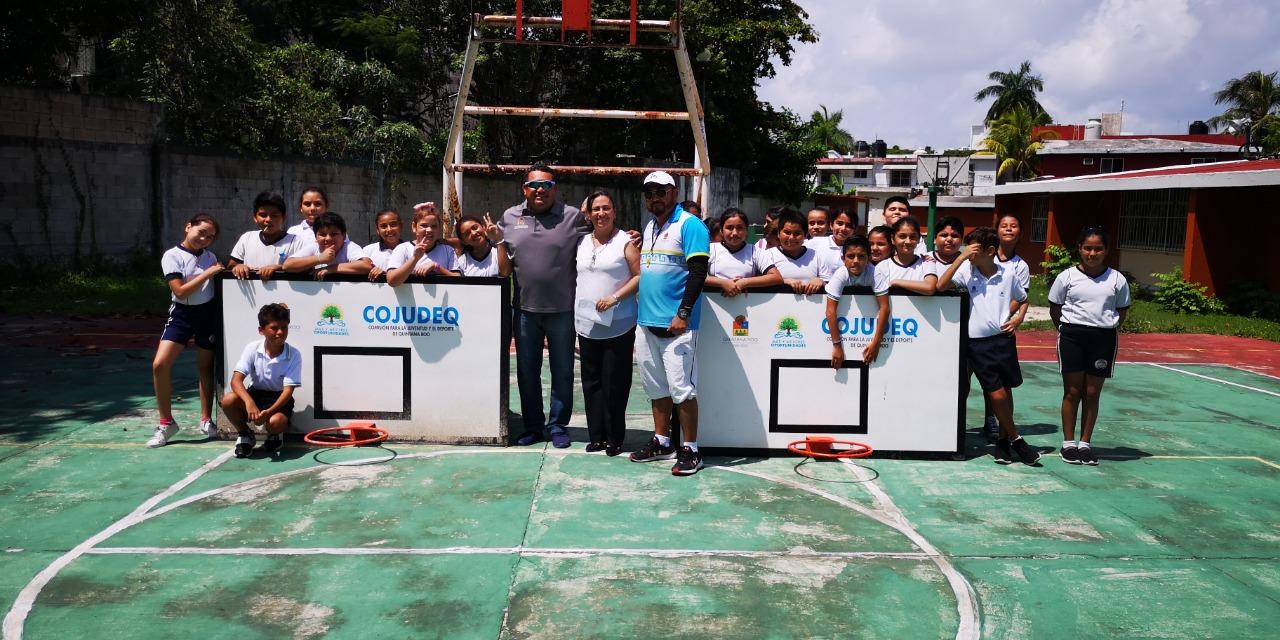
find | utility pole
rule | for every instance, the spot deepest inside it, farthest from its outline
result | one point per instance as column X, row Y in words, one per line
column 933, row 212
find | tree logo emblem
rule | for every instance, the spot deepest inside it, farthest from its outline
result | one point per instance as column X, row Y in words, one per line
column 332, row 313
column 331, row 322
column 788, row 333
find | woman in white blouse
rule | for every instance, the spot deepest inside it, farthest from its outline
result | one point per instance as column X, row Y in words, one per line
column 608, row 266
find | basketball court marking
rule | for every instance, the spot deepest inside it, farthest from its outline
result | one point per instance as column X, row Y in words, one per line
column 892, row 518
column 1211, row 378
column 537, row 552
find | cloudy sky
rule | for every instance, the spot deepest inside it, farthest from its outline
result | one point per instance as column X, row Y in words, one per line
column 906, row 71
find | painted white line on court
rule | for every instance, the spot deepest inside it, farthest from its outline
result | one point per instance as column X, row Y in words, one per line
column 1211, row 378
column 966, row 603
column 17, row 616
column 1250, row 458
column 523, row 551
column 1231, row 366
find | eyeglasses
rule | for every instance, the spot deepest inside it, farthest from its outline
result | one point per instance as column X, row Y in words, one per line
column 540, row 184
column 656, row 192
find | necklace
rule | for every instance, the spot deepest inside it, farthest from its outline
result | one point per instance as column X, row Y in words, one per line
column 597, row 247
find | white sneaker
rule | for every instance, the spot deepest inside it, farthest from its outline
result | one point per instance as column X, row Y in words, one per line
column 162, row 435
column 209, row 428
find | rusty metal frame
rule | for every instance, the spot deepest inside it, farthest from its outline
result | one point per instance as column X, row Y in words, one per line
column 455, row 167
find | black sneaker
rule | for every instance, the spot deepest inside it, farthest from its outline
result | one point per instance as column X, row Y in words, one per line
column 991, row 429
column 1002, row 453
column 274, row 442
column 244, row 444
column 612, row 450
column 593, row 447
column 688, row 462
column 1024, row 451
column 1087, row 456
column 653, row 451
column 1070, row 454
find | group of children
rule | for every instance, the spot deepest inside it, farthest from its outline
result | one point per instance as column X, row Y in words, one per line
column 818, row 252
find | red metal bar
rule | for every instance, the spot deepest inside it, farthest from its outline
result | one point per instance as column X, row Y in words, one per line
column 634, row 20
column 549, row 112
column 492, row 169
column 519, row 19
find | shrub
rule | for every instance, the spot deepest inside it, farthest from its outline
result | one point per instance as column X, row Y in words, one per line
column 1179, row 296
column 1254, row 300
column 1060, row 259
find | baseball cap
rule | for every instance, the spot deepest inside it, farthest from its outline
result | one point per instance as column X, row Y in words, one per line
column 660, row 177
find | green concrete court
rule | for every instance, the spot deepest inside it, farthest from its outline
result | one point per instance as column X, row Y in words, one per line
column 1175, row 535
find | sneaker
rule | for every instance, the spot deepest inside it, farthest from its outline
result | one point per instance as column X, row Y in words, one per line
column 161, row 437
column 1002, row 453
column 991, row 429
column 560, row 438
column 613, row 450
column 653, row 451
column 593, row 447
column 688, row 462
column 244, row 444
column 1024, row 451
column 1087, row 456
column 1070, row 454
column 529, row 437
column 209, row 428
column 274, row 442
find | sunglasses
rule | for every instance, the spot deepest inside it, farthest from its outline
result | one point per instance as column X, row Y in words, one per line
column 540, row 184
column 656, row 192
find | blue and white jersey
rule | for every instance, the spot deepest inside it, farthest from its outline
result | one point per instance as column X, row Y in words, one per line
column 184, row 264
column 664, row 271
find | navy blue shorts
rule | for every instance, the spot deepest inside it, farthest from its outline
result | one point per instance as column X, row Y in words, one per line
column 994, row 360
column 1091, row 350
column 266, row 397
column 185, row 322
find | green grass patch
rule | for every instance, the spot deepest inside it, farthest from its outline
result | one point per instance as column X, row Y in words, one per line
column 1146, row 316
column 85, row 293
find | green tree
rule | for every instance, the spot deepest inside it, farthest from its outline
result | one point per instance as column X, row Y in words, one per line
column 789, row 324
column 824, row 131
column 331, row 313
column 1015, row 145
column 1013, row 89
column 1255, row 99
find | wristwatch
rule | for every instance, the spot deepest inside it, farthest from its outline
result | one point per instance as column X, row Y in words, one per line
column 682, row 313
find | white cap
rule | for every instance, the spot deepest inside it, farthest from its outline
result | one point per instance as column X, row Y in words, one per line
column 660, row 177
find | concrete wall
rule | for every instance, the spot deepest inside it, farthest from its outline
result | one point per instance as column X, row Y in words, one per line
column 84, row 176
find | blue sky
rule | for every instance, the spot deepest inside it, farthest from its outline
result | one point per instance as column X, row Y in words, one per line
column 906, row 71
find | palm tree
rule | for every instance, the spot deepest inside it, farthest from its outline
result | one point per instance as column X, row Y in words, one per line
column 1013, row 88
column 825, row 131
column 1014, row 144
column 1253, row 97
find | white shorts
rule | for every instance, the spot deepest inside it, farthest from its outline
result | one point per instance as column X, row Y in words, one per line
column 667, row 365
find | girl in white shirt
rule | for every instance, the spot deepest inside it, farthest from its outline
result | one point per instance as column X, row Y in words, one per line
column 798, row 264
column 830, row 248
column 388, row 227
column 426, row 255
column 906, row 269
column 482, row 252
column 736, row 266
column 312, row 203
column 881, row 240
column 1087, row 303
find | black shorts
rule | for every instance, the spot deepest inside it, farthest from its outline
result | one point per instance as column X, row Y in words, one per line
column 186, row 321
column 266, row 397
column 994, row 360
column 1091, row 350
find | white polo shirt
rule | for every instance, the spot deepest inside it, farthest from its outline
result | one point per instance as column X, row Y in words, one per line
column 744, row 263
column 442, row 254
column 988, row 297
column 184, row 264
column 252, row 252
column 375, row 252
column 264, row 372
column 472, row 268
column 350, row 252
column 303, row 230
column 1021, row 270
column 1091, row 302
column 889, row 270
column 809, row 265
column 842, row 278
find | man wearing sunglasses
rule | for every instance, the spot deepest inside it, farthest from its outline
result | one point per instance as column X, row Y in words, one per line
column 674, row 251
column 542, row 235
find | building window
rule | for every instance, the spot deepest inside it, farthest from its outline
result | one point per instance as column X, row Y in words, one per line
column 1088, row 161
column 1154, row 220
column 1202, row 160
column 1112, row 165
column 899, row 178
column 1039, row 218
column 859, row 174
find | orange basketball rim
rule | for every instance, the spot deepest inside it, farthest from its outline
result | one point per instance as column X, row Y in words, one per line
column 355, row 434
column 828, row 448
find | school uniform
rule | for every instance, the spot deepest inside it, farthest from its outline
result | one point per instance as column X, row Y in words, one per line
column 842, row 278
column 349, row 252
column 193, row 316
column 379, row 253
column 806, row 266
column 442, row 254
column 484, row 268
column 265, row 377
column 1091, row 307
column 890, row 269
column 253, row 252
column 303, row 230
column 746, row 262
column 1021, row 270
column 992, row 354
column 940, row 265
